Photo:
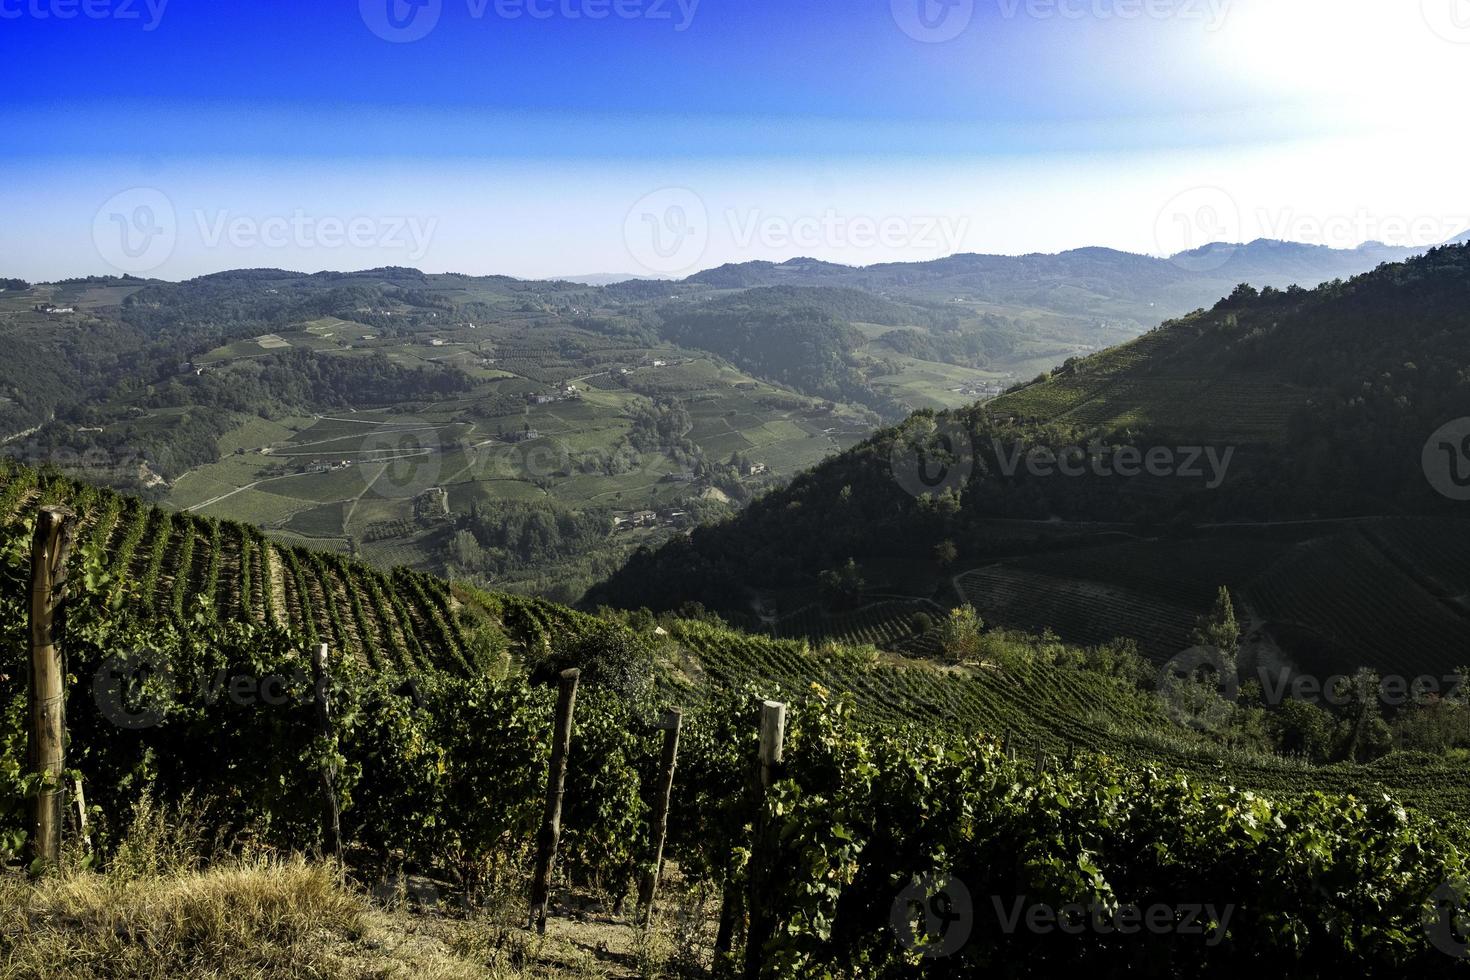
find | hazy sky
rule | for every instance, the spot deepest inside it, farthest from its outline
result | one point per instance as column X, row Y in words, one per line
column 542, row 137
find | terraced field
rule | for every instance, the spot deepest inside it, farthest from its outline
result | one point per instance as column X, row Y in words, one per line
column 1435, row 553
column 1183, row 573
column 1113, row 393
column 1374, row 614
column 1083, row 612
column 888, row 625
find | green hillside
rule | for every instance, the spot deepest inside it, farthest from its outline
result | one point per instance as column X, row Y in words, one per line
column 1292, row 426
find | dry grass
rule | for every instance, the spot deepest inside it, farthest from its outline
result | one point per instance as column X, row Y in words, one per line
column 289, row 919
column 173, row 905
column 263, row 920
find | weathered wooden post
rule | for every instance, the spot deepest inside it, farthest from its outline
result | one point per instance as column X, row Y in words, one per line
column 333, row 812
column 672, row 723
column 556, row 779
column 1040, row 760
column 1005, row 746
column 46, row 746
column 82, row 823
column 773, row 738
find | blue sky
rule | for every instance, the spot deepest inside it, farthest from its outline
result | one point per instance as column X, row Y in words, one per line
column 537, row 137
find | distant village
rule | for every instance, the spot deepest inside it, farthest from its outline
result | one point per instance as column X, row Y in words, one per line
column 667, row 517
column 980, row 389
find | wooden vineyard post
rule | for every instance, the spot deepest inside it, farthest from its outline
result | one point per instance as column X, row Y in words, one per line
column 673, row 722
column 1005, row 747
column 773, row 738
column 46, row 745
column 82, row 814
column 1040, row 759
column 556, row 780
column 332, row 812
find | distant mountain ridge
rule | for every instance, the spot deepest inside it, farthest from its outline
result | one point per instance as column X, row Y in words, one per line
column 1177, row 284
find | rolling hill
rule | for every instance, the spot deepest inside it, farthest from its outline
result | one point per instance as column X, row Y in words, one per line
column 1290, row 430
column 555, row 416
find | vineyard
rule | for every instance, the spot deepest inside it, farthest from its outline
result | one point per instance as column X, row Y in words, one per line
column 179, row 563
column 888, row 625
column 1084, row 612
column 1435, row 553
column 1134, row 386
column 404, row 623
column 1182, row 573
column 1054, row 704
column 1374, row 612
column 1036, row 778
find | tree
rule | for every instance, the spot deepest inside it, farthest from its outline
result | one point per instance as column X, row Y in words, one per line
column 1303, row 728
column 962, row 635
column 946, row 553
column 844, row 584
column 1366, row 729
column 1219, row 628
